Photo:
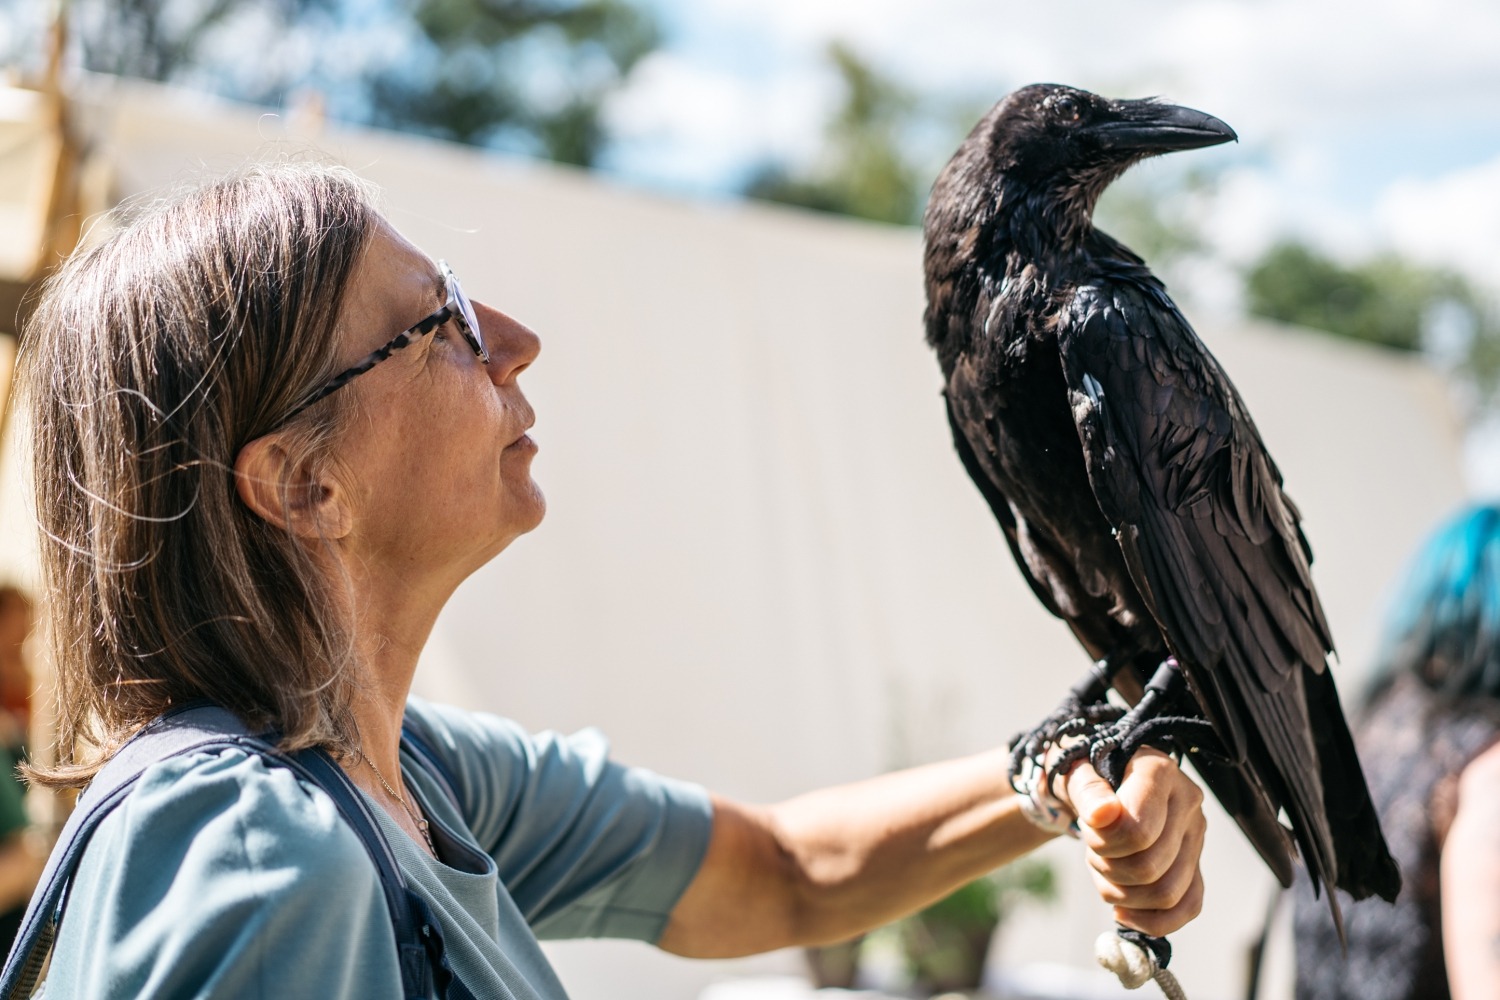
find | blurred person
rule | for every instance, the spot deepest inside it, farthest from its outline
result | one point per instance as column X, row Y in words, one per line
column 20, row 857
column 1428, row 739
column 15, row 674
column 271, row 438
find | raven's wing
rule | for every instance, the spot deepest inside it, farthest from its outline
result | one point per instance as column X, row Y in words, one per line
column 1215, row 549
column 999, row 504
column 976, row 438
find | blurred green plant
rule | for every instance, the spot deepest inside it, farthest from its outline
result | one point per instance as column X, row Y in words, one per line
column 1386, row 300
column 834, row 966
column 945, row 945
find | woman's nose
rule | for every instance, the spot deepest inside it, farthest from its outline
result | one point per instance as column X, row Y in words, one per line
column 512, row 344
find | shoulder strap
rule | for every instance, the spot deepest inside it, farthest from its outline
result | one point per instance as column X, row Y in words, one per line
column 413, row 928
column 427, row 757
column 208, row 728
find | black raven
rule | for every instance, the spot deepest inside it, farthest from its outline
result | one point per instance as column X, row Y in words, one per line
column 1131, row 484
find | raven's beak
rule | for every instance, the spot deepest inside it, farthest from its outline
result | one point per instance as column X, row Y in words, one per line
column 1150, row 127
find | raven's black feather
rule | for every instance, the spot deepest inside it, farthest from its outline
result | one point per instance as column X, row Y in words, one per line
column 1128, row 477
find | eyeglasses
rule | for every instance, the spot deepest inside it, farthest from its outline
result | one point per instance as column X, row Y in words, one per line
column 457, row 308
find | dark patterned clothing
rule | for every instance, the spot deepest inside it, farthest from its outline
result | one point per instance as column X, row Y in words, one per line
column 1413, row 747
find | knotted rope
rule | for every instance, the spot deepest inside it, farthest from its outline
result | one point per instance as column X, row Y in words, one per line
column 1131, row 957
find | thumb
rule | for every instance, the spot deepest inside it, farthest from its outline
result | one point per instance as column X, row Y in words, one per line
column 1093, row 801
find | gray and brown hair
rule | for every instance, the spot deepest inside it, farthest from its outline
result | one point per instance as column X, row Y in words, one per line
column 152, row 358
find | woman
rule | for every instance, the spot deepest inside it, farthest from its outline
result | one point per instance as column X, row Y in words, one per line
column 1428, row 739
column 272, row 437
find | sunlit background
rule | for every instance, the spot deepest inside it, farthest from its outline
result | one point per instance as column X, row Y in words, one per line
column 1363, row 134
column 1361, row 203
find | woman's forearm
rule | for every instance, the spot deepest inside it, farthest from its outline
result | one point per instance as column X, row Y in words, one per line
column 878, row 849
column 829, row 864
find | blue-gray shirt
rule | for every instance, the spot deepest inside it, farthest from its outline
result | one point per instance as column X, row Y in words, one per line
column 223, row 876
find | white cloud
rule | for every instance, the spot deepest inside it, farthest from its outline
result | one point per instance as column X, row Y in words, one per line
column 1452, row 220
column 1247, row 215
column 1358, row 124
column 1271, row 64
column 1299, row 57
column 811, row 24
column 694, row 120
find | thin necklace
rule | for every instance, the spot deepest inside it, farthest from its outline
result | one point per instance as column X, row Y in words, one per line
column 416, row 817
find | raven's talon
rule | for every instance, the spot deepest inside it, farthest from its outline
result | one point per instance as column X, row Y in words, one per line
column 1060, row 768
column 1103, row 753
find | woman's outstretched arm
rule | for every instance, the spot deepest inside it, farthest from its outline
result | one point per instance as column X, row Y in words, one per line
column 827, row 865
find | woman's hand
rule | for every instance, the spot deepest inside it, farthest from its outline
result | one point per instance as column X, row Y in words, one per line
column 1144, row 841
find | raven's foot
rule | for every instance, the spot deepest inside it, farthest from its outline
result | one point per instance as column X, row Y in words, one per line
column 1151, row 724
column 1042, row 755
column 1087, row 727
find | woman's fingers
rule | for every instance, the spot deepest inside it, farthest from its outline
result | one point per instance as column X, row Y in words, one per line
column 1143, row 841
column 1156, row 883
column 1160, row 923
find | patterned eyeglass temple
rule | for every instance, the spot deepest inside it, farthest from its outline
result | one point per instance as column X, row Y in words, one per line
column 457, row 308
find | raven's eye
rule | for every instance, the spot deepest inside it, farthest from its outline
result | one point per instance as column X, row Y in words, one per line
column 1065, row 108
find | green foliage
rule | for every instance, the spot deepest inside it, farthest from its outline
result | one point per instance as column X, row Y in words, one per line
column 988, row 900
column 865, row 169
column 1382, row 302
column 945, row 945
column 530, row 75
column 1385, row 300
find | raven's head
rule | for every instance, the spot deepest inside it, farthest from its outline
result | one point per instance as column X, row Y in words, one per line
column 1064, row 146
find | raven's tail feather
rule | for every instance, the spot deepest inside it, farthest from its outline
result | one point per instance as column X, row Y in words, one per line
column 1365, row 865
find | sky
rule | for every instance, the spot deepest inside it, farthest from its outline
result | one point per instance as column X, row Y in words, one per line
column 1363, row 128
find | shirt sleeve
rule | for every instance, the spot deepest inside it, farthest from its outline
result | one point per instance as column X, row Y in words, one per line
column 221, row 876
column 585, row 846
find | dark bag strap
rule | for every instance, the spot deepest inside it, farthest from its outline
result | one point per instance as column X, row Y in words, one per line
column 431, row 762
column 205, row 728
column 448, row 985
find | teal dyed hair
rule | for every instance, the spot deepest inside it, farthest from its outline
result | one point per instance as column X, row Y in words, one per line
column 1444, row 625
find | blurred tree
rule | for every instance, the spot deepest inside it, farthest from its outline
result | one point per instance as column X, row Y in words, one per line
column 528, row 75
column 1158, row 213
column 1385, row 300
column 161, row 39
column 865, row 168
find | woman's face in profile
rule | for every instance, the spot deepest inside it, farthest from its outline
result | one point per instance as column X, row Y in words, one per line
column 435, row 455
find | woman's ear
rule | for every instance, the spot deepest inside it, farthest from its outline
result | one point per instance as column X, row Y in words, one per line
column 303, row 500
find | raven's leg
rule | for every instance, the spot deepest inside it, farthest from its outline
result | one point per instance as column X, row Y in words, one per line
column 1080, row 712
column 1064, row 737
column 1152, row 723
